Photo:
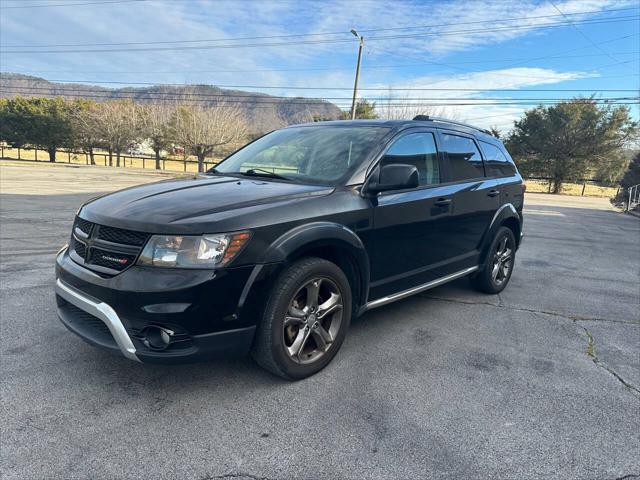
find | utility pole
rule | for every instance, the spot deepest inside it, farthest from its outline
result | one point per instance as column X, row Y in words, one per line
column 355, row 85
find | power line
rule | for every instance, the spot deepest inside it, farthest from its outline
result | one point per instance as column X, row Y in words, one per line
column 310, row 34
column 258, row 99
column 584, row 35
column 102, row 2
column 408, row 89
column 325, row 41
column 319, row 102
column 518, row 62
column 312, row 69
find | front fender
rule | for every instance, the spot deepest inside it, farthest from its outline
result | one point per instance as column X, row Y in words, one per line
column 312, row 234
column 303, row 238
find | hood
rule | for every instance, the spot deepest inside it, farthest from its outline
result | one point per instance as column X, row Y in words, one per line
column 179, row 205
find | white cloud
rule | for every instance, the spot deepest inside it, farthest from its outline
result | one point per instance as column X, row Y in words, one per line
column 460, row 30
column 475, row 85
column 227, row 19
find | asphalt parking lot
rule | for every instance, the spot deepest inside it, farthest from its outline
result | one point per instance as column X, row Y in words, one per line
column 542, row 381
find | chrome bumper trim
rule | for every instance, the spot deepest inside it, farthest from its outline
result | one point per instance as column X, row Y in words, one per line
column 102, row 311
column 420, row 288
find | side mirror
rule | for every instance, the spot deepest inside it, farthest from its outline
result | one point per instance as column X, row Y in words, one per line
column 395, row 176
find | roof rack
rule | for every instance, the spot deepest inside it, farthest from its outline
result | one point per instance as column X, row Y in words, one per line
column 444, row 120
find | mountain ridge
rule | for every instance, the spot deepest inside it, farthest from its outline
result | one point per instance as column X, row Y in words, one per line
column 263, row 112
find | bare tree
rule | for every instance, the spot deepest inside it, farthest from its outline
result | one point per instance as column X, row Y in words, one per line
column 157, row 126
column 203, row 129
column 86, row 129
column 120, row 126
column 396, row 107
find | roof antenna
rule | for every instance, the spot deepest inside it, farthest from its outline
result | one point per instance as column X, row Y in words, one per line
column 421, row 117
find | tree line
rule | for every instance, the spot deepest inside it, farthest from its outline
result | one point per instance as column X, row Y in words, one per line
column 115, row 126
column 565, row 142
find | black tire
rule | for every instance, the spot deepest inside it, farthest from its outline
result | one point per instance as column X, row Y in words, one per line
column 270, row 347
column 486, row 280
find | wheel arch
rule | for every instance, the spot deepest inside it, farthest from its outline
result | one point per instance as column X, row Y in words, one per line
column 513, row 224
column 331, row 241
column 505, row 216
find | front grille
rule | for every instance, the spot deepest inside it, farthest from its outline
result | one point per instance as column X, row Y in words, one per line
column 112, row 260
column 79, row 247
column 118, row 235
column 106, row 250
column 83, row 225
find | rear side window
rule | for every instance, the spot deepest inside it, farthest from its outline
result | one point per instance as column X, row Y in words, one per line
column 465, row 162
column 496, row 163
column 419, row 150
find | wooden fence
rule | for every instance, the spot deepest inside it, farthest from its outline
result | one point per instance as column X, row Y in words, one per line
column 583, row 187
column 102, row 159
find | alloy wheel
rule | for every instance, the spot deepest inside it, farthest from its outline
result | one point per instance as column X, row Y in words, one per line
column 502, row 261
column 313, row 320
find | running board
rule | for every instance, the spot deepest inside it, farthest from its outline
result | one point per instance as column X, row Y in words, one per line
column 420, row 288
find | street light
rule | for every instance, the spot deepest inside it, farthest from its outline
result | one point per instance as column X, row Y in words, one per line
column 355, row 85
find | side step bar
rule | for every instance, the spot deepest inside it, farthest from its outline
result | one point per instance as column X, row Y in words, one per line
column 420, row 288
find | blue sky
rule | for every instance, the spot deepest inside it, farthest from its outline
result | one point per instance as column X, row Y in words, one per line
column 585, row 45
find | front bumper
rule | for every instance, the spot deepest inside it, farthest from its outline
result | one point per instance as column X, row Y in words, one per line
column 99, row 310
column 200, row 308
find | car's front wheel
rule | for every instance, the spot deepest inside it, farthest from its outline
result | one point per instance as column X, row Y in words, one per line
column 499, row 264
column 305, row 320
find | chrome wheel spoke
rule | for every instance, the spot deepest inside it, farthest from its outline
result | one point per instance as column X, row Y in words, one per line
column 506, row 255
column 329, row 306
column 505, row 270
column 295, row 312
column 503, row 245
column 293, row 321
column 313, row 293
column 495, row 270
column 322, row 337
column 298, row 343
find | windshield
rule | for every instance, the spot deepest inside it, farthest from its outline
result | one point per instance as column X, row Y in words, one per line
column 322, row 154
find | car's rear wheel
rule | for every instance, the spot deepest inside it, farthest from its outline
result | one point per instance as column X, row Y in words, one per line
column 305, row 320
column 499, row 265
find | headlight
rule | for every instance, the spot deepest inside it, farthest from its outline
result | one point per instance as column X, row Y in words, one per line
column 190, row 251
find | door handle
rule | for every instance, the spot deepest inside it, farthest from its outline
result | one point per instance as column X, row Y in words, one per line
column 493, row 193
column 442, row 202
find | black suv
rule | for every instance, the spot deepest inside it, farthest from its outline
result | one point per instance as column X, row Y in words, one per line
column 280, row 245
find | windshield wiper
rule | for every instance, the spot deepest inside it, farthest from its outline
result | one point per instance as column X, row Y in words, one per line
column 259, row 172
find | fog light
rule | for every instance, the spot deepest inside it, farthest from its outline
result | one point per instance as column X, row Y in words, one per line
column 156, row 338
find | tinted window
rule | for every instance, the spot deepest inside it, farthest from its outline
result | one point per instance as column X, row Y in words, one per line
column 419, row 150
column 322, row 154
column 496, row 162
column 464, row 157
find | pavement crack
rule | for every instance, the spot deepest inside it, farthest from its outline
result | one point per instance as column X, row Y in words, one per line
column 627, row 477
column 573, row 318
column 500, row 304
column 591, row 352
column 242, row 476
column 465, row 302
